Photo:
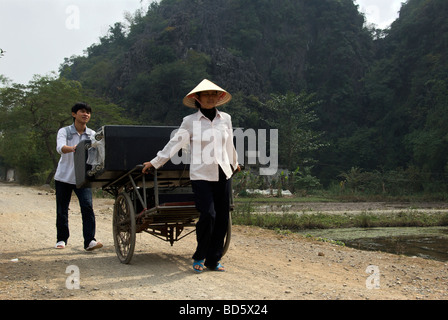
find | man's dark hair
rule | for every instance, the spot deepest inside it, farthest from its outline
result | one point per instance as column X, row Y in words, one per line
column 81, row 105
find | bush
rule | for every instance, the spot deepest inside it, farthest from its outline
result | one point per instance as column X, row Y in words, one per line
column 399, row 182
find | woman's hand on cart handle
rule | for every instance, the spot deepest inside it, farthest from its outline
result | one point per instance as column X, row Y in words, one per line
column 146, row 166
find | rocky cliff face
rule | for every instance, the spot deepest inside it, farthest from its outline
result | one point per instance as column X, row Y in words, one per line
column 255, row 47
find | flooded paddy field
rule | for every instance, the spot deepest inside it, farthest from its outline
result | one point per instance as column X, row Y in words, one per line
column 428, row 243
column 424, row 242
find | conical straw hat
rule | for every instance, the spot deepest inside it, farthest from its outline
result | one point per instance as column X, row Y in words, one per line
column 206, row 85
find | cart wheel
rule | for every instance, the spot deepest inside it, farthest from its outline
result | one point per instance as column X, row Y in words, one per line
column 228, row 236
column 124, row 227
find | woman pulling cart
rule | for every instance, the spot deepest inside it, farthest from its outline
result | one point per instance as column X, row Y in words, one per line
column 213, row 161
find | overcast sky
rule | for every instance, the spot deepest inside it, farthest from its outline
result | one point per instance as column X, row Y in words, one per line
column 37, row 35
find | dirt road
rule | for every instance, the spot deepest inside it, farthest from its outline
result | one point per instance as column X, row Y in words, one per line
column 261, row 265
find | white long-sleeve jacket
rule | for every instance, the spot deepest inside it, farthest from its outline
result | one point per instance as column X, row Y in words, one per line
column 211, row 145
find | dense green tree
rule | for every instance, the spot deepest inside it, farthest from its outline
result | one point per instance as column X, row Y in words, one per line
column 295, row 116
column 407, row 89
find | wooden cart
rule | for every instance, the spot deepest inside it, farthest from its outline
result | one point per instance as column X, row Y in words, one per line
column 160, row 203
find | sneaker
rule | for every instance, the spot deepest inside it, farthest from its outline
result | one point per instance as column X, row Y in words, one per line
column 94, row 245
column 60, row 245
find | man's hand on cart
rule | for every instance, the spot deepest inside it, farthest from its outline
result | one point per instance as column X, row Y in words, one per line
column 68, row 149
column 146, row 167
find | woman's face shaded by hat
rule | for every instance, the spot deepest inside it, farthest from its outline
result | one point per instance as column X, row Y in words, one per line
column 207, row 86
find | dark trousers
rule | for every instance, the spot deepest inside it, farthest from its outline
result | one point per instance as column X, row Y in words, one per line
column 63, row 197
column 213, row 203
